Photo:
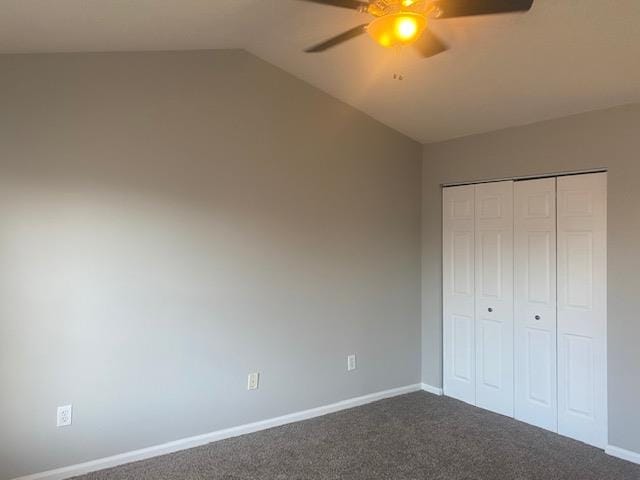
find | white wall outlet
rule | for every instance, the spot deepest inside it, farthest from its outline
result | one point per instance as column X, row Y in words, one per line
column 351, row 362
column 63, row 418
column 252, row 382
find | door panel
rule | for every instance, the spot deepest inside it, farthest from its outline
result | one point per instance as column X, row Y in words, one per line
column 458, row 272
column 462, row 263
column 539, row 267
column 541, row 373
column 535, row 302
column 579, row 269
column 494, row 296
column 580, row 387
column 462, row 346
column 492, row 365
column 490, row 259
column 582, row 307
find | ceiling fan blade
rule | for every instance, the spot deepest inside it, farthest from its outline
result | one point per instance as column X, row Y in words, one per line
column 343, row 37
column 464, row 8
column 351, row 4
column 429, row 44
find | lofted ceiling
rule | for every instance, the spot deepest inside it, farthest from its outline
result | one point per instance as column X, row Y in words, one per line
column 563, row 57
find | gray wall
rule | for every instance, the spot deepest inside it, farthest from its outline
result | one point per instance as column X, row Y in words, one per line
column 607, row 138
column 170, row 222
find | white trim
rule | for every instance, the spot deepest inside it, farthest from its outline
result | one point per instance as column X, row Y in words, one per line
column 527, row 177
column 431, row 389
column 185, row 443
column 623, row 454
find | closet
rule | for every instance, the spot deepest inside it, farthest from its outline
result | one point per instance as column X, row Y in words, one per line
column 524, row 301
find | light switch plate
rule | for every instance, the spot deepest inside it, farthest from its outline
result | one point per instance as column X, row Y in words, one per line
column 253, row 380
column 351, row 362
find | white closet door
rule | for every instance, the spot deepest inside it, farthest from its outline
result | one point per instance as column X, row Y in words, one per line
column 582, row 307
column 458, row 292
column 535, row 302
column 494, row 296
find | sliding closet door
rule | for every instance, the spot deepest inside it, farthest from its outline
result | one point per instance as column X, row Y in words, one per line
column 582, row 309
column 535, row 302
column 458, row 292
column 494, row 296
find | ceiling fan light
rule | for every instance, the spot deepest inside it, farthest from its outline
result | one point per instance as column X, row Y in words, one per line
column 397, row 29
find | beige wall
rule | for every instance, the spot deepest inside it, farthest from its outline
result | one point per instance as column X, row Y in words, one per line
column 607, row 138
column 170, row 222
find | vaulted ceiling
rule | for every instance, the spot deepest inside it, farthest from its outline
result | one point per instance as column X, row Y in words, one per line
column 563, row 57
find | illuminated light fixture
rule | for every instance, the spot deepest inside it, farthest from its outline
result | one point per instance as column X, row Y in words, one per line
column 397, row 29
column 398, row 23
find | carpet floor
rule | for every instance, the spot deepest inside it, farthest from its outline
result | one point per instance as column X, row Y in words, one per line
column 413, row 436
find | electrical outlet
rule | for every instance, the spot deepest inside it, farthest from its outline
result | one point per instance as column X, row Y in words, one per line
column 252, row 382
column 351, row 362
column 64, row 416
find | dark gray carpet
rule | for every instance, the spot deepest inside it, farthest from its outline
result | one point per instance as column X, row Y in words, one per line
column 414, row 436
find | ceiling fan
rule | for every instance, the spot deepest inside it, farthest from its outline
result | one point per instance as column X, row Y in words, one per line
column 404, row 22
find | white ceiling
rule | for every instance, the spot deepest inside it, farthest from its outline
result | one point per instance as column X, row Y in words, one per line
column 563, row 57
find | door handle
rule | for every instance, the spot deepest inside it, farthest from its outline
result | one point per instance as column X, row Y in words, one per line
column 489, row 309
column 537, row 317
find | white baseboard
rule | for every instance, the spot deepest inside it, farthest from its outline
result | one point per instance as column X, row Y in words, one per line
column 185, row 443
column 623, row 454
column 431, row 389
